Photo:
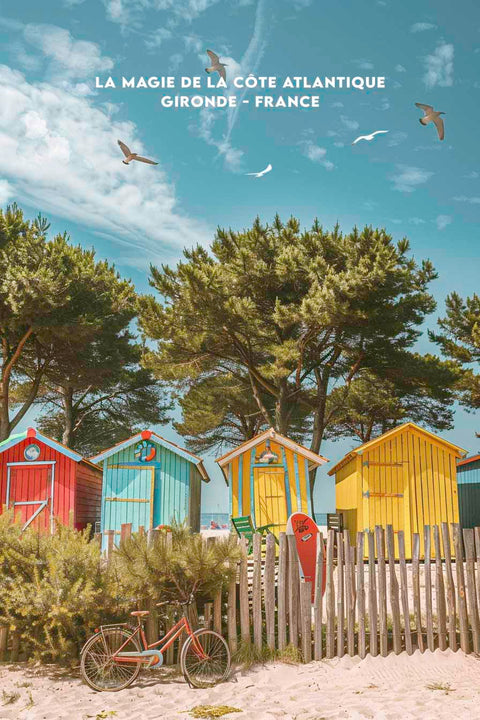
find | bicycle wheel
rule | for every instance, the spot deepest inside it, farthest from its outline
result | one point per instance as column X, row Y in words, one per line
column 205, row 659
column 99, row 669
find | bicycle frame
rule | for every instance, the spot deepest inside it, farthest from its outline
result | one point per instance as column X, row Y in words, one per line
column 161, row 645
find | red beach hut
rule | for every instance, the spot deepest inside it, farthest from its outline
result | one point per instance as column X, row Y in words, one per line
column 45, row 481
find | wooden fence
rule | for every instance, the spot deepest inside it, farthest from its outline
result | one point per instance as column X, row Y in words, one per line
column 374, row 605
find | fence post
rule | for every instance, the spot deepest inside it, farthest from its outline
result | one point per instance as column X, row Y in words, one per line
column 330, row 596
column 340, row 597
column 477, row 557
column 152, row 619
column 3, row 642
column 404, row 591
column 232, row 610
column 452, row 615
column 110, row 542
column 382, row 590
column 269, row 590
column 361, row 595
column 472, row 597
column 257, row 591
column 318, row 601
column 282, row 591
column 244, row 608
column 440, row 592
column 306, row 604
column 428, row 585
column 293, row 591
column 372, row 596
column 125, row 531
column 416, row 590
column 349, row 593
column 394, row 597
column 461, row 599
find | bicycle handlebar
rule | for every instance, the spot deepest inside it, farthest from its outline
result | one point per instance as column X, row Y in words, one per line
column 177, row 603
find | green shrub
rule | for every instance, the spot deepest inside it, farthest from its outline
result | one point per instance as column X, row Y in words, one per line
column 53, row 589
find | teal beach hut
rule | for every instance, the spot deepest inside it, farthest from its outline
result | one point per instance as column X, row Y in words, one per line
column 468, row 479
column 149, row 481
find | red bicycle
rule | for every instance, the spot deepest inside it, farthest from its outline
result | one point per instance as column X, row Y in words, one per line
column 113, row 657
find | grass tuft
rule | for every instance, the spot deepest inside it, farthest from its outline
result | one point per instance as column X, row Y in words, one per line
column 208, row 712
column 8, row 698
column 445, row 687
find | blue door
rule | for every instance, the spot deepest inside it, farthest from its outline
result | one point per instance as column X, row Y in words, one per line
column 128, row 497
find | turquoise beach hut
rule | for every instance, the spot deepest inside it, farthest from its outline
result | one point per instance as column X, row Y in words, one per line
column 149, row 481
column 468, row 479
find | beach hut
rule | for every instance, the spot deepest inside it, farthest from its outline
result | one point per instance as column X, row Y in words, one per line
column 44, row 481
column 149, row 481
column 406, row 478
column 268, row 479
column 468, row 479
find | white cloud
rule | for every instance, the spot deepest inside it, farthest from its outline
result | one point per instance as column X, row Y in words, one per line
column 129, row 13
column 472, row 175
column 349, row 124
column 408, row 178
column 417, row 221
column 442, row 221
column 316, row 154
column 157, row 37
column 363, row 64
column 396, row 138
column 439, row 66
column 59, row 153
column 469, row 200
column 69, row 57
column 399, row 68
column 6, row 192
column 422, row 27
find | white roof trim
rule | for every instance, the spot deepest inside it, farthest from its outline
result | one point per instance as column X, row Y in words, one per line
column 271, row 434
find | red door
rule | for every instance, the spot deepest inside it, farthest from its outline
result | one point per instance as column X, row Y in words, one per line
column 29, row 495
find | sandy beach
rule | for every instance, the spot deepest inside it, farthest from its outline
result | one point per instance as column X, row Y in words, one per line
column 433, row 685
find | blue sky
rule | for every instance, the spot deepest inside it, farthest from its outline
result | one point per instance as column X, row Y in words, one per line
column 58, row 135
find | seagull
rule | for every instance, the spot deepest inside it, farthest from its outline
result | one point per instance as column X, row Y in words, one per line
column 216, row 65
column 431, row 115
column 129, row 156
column 262, row 172
column 369, row 137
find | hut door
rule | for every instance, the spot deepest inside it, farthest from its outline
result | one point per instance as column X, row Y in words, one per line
column 29, row 491
column 270, row 497
column 383, row 486
column 128, row 497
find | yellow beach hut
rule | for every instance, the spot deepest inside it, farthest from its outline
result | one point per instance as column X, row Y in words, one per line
column 268, row 479
column 406, row 478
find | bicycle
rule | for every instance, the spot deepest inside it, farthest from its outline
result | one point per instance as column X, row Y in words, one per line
column 113, row 657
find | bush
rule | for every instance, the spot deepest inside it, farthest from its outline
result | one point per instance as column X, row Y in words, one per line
column 53, row 589
column 175, row 565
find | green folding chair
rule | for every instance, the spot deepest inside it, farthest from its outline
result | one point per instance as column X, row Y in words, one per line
column 244, row 526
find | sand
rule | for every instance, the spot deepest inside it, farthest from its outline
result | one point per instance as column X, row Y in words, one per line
column 384, row 688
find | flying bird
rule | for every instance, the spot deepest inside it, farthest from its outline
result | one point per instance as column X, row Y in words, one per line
column 262, row 172
column 129, row 155
column 431, row 115
column 369, row 137
column 216, row 65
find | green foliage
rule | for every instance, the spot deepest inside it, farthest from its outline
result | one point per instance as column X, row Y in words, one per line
column 459, row 340
column 174, row 570
column 248, row 655
column 417, row 388
column 56, row 300
column 295, row 313
column 53, row 589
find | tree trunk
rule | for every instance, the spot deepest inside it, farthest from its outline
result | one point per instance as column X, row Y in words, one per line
column 67, row 402
column 4, row 414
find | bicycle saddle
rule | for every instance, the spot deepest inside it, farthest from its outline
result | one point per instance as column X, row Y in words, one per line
column 140, row 613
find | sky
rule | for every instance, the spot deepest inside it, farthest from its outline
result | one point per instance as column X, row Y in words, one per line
column 58, row 133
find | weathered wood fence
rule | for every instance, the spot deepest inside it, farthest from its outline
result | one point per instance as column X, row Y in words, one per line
column 374, row 605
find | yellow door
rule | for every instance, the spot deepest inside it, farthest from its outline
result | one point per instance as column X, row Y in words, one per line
column 383, row 486
column 270, row 498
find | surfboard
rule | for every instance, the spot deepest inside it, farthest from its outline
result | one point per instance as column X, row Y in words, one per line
column 305, row 531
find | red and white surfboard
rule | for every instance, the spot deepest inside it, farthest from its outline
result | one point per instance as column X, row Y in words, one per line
column 305, row 530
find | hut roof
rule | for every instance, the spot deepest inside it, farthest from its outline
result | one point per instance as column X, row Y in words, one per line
column 468, row 460
column 147, row 435
column 33, row 434
column 270, row 434
column 391, row 433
